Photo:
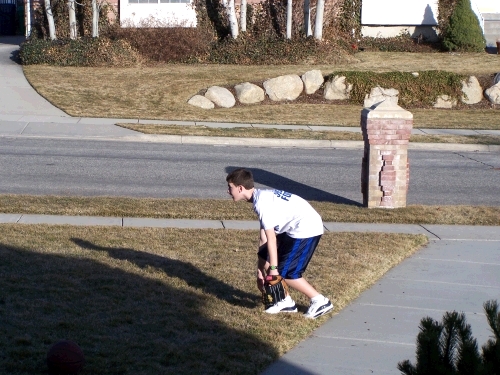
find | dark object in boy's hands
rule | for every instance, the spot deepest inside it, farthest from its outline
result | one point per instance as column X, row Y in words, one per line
column 275, row 290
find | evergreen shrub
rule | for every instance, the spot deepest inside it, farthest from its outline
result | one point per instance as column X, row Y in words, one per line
column 463, row 32
column 448, row 347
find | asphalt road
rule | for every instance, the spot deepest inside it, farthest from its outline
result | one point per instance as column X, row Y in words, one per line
column 103, row 168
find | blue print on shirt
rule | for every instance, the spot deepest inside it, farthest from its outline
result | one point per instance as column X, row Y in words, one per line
column 282, row 194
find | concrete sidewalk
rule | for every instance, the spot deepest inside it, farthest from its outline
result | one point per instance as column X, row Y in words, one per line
column 458, row 270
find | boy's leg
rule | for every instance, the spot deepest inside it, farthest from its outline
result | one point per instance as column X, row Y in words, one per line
column 303, row 286
column 293, row 258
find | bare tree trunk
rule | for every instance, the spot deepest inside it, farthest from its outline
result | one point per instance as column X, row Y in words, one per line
column 231, row 17
column 318, row 26
column 50, row 19
column 243, row 15
column 289, row 19
column 307, row 18
column 95, row 19
column 72, row 19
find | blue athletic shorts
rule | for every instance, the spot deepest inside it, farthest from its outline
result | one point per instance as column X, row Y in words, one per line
column 294, row 254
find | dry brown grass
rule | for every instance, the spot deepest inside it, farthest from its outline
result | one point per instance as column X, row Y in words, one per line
column 162, row 92
column 163, row 301
column 221, row 209
column 270, row 132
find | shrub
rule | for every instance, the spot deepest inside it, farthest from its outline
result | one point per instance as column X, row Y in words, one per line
column 167, row 44
column 420, row 91
column 79, row 52
column 463, row 32
column 448, row 348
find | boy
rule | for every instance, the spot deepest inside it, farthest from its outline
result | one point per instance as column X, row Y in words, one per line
column 290, row 230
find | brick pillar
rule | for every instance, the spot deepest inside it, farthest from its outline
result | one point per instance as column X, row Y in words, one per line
column 385, row 169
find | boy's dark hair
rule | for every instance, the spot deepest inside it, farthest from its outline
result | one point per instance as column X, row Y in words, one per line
column 241, row 176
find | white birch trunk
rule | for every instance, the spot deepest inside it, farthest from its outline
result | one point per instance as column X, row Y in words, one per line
column 243, row 15
column 231, row 16
column 50, row 19
column 72, row 19
column 289, row 19
column 95, row 19
column 307, row 18
column 318, row 26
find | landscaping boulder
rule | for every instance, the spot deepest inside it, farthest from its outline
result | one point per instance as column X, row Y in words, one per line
column 445, row 101
column 493, row 94
column 379, row 94
column 336, row 89
column 473, row 92
column 220, row 96
column 201, row 101
column 313, row 80
column 248, row 93
column 287, row 87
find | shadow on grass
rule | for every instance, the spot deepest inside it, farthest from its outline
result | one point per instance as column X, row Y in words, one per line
column 176, row 268
column 307, row 192
column 125, row 323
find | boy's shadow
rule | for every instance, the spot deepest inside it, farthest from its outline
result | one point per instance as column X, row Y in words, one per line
column 307, row 192
column 175, row 268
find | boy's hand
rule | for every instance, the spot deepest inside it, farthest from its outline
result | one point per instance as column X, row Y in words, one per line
column 260, row 284
column 273, row 272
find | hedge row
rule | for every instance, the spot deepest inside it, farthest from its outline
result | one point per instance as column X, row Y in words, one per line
column 414, row 91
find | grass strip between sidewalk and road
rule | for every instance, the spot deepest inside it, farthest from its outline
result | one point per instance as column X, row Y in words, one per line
column 154, row 300
column 226, row 209
column 258, row 132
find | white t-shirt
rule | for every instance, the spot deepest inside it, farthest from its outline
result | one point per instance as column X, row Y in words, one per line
column 286, row 213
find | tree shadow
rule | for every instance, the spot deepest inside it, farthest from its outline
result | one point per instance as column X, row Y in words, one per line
column 275, row 181
column 124, row 322
column 176, row 268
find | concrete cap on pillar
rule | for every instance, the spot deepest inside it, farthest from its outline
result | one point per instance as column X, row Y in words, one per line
column 386, row 109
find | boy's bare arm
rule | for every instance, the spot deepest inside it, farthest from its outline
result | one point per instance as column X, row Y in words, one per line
column 272, row 249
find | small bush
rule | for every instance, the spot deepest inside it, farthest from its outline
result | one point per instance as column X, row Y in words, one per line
column 414, row 92
column 464, row 32
column 448, row 347
column 167, row 44
column 80, row 52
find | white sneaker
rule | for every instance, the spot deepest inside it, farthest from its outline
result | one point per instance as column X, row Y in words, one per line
column 286, row 305
column 318, row 308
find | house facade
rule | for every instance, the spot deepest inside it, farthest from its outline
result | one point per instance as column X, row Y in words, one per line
column 157, row 13
column 389, row 18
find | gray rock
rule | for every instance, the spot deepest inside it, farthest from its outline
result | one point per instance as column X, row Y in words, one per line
column 336, row 89
column 287, row 87
column 201, row 101
column 221, row 96
column 493, row 93
column 496, row 79
column 379, row 94
column 248, row 93
column 472, row 90
column 313, row 80
column 445, row 101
